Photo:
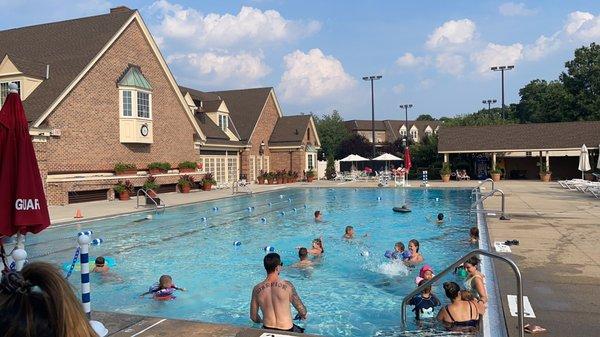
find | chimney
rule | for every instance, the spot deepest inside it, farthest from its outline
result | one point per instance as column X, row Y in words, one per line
column 120, row 9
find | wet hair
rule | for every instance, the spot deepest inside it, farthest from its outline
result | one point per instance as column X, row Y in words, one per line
column 38, row 301
column 317, row 213
column 452, row 290
column 317, row 240
column 399, row 244
column 163, row 280
column 100, row 261
column 302, row 253
column 474, row 232
column 348, row 229
column 426, row 289
column 416, row 243
column 440, row 216
column 473, row 260
column 271, row 262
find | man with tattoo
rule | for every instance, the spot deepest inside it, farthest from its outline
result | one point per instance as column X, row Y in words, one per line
column 273, row 296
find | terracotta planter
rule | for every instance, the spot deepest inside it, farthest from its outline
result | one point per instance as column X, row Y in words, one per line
column 206, row 187
column 545, row 177
column 156, row 171
column 185, row 188
column 261, row 180
column 445, row 178
column 495, row 177
column 187, row 170
column 124, row 195
column 131, row 172
column 151, row 193
column 310, row 179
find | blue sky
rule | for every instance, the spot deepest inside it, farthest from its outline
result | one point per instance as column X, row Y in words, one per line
column 432, row 54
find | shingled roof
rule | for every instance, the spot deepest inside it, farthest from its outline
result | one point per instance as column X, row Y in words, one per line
column 289, row 130
column 245, row 107
column 518, row 137
column 67, row 46
column 357, row 124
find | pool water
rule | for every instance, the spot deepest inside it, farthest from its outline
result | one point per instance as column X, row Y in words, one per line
column 347, row 294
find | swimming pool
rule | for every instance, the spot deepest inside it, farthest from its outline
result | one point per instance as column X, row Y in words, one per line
column 347, row 294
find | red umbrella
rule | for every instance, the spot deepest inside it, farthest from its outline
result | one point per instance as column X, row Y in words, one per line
column 407, row 161
column 23, row 205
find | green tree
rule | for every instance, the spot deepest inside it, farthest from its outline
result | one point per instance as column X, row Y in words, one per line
column 332, row 132
column 482, row 117
column 425, row 117
column 543, row 102
column 355, row 144
column 582, row 81
column 330, row 169
column 424, row 156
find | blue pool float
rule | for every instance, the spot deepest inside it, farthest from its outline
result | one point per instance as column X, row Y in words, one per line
column 109, row 261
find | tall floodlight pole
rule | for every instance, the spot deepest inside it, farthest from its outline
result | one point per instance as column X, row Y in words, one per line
column 405, row 107
column 372, row 78
column 489, row 102
column 502, row 69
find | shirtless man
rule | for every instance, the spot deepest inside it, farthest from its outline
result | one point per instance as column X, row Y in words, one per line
column 273, row 296
column 304, row 262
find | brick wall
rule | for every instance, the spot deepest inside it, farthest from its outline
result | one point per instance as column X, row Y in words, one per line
column 89, row 116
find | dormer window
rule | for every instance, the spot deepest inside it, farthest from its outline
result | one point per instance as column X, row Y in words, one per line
column 414, row 134
column 4, row 90
column 135, row 108
column 223, row 122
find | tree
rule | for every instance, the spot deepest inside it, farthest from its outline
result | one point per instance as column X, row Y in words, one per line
column 330, row 169
column 544, row 102
column 425, row 117
column 332, row 131
column 482, row 117
column 582, row 81
column 424, row 155
column 355, row 144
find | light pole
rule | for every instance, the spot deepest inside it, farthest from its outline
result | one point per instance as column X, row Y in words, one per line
column 489, row 102
column 502, row 69
column 372, row 78
column 405, row 107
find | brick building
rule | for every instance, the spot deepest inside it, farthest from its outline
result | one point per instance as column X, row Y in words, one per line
column 388, row 131
column 98, row 92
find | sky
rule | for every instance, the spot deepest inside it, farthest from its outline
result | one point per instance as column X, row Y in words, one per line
column 435, row 55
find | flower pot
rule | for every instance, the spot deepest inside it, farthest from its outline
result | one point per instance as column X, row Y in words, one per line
column 445, row 178
column 187, row 170
column 261, row 180
column 206, row 187
column 185, row 188
column 124, row 195
column 151, row 193
column 156, row 171
column 545, row 177
column 495, row 177
column 310, row 179
column 130, row 172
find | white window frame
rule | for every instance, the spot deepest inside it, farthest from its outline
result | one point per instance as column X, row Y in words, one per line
column 223, row 122
column 134, row 103
column 313, row 157
column 7, row 83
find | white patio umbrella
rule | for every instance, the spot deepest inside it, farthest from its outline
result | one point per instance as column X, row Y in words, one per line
column 584, row 160
column 387, row 158
column 354, row 158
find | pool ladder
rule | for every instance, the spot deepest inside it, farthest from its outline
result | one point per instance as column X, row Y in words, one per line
column 459, row 262
column 157, row 206
column 480, row 197
column 477, row 189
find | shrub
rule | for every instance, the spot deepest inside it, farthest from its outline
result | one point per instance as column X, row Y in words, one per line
column 160, row 166
column 544, row 169
column 150, row 183
column 187, row 165
column 122, row 167
column 310, row 173
column 121, row 186
column 446, row 170
column 208, row 179
column 495, row 170
column 330, row 170
column 185, row 180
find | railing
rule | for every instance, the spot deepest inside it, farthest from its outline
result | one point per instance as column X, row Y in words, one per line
column 476, row 189
column 487, row 195
column 145, row 192
column 235, row 187
column 460, row 261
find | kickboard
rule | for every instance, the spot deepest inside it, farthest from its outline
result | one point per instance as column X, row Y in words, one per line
column 527, row 309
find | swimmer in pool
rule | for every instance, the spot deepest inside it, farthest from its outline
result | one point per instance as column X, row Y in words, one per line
column 318, row 216
column 349, row 233
column 416, row 257
column 438, row 220
column 100, row 265
column 164, row 288
column 304, row 262
column 474, row 235
column 317, row 247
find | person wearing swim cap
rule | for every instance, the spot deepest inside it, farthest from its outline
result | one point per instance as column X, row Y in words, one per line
column 426, row 273
column 273, row 298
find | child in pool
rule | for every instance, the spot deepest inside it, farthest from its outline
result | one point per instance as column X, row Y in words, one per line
column 100, row 265
column 399, row 253
column 424, row 303
column 474, row 235
column 426, row 273
column 164, row 289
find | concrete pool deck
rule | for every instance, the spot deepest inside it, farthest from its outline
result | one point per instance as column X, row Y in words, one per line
column 558, row 254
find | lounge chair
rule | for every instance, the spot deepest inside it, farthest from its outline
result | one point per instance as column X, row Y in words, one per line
column 586, row 186
column 597, row 175
column 595, row 191
column 570, row 184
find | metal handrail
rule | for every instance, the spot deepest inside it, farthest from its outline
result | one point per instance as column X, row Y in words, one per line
column 475, row 189
column 460, row 261
column 137, row 199
column 487, row 195
column 235, row 187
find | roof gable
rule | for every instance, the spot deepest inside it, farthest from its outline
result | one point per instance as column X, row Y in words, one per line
column 289, row 130
column 132, row 77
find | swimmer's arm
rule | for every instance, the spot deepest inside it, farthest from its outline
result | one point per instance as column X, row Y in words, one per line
column 180, row 289
column 481, row 289
column 254, row 316
column 296, row 301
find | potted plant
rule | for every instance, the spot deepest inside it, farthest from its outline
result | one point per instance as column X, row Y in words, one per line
column 122, row 169
column 495, row 173
column 545, row 174
column 261, row 177
column 310, row 175
column 124, row 189
column 158, row 168
column 208, row 181
column 295, row 176
column 280, row 176
column 269, row 178
column 151, row 186
column 185, row 183
column 445, row 172
column 187, row 167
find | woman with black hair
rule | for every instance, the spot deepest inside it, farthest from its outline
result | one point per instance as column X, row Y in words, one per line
column 460, row 315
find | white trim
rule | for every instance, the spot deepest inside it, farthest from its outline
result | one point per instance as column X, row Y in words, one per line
column 519, row 150
column 314, row 127
column 135, row 17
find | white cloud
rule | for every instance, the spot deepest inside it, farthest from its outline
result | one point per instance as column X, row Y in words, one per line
column 398, row 88
column 452, row 33
column 313, row 75
column 542, row 47
column 452, row 64
column 211, row 67
column 496, row 55
column 426, row 83
column 408, row 60
column 583, row 26
column 249, row 26
column 515, row 9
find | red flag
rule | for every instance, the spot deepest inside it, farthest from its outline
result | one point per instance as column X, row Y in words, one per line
column 407, row 162
column 23, row 205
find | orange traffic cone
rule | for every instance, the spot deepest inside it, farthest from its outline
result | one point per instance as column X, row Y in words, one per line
column 78, row 214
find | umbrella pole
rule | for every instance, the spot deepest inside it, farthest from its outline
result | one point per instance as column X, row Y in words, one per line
column 19, row 255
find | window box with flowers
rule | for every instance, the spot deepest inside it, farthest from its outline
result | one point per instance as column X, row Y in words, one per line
column 207, row 181
column 187, row 167
column 185, row 183
column 158, row 168
column 122, row 169
column 124, row 189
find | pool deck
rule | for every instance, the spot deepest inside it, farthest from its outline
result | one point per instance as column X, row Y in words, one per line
column 558, row 254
